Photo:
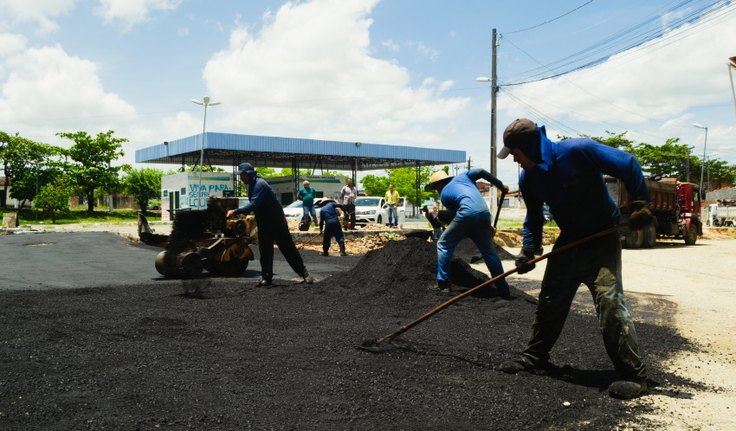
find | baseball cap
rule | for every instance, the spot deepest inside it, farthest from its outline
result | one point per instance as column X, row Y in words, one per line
column 520, row 131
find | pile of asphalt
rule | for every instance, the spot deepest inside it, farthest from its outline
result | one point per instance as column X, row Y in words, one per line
column 240, row 357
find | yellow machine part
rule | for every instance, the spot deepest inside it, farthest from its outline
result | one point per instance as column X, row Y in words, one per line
column 235, row 252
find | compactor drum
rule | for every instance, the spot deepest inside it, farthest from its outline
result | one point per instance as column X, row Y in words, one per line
column 204, row 239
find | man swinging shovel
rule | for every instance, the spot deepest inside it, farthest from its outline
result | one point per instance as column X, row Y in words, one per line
column 567, row 175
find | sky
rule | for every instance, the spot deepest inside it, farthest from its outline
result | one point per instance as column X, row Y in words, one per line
column 397, row 72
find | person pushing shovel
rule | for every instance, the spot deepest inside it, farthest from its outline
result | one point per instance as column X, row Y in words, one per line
column 568, row 176
column 272, row 226
column 472, row 220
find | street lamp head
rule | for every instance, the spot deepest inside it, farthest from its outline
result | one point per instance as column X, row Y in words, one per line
column 699, row 126
column 215, row 103
column 483, row 79
column 197, row 102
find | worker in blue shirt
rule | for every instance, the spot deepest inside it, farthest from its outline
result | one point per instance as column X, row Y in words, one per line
column 568, row 176
column 272, row 226
column 472, row 220
column 329, row 222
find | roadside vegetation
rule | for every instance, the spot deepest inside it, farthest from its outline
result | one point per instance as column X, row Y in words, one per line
column 80, row 215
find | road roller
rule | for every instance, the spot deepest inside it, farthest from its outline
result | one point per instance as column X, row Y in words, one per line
column 203, row 240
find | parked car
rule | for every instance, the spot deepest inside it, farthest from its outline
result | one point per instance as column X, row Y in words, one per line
column 294, row 210
column 374, row 209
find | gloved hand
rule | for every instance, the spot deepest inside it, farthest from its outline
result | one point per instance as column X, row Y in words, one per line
column 493, row 231
column 522, row 261
column 640, row 215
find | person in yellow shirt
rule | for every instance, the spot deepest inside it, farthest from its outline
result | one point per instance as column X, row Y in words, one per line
column 392, row 199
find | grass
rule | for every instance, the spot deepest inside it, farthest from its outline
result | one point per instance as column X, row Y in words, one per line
column 124, row 215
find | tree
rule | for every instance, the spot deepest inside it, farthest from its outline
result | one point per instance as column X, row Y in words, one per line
column 4, row 142
column 670, row 160
column 93, row 157
column 54, row 198
column 29, row 166
column 403, row 179
column 143, row 184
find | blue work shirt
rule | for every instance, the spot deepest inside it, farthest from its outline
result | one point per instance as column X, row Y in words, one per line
column 262, row 202
column 329, row 214
column 570, row 180
column 462, row 196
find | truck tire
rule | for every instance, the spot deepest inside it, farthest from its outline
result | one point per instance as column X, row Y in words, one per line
column 634, row 238
column 650, row 236
column 379, row 220
column 691, row 235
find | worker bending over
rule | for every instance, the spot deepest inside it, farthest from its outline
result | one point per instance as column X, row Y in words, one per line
column 329, row 219
column 472, row 220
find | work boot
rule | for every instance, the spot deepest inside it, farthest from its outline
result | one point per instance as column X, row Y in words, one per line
column 308, row 279
column 627, row 389
column 342, row 251
column 525, row 363
column 442, row 286
column 324, row 253
column 265, row 281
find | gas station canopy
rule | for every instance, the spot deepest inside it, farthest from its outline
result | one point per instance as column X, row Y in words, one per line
column 228, row 149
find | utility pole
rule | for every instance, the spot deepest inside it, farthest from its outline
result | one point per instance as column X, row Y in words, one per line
column 494, row 92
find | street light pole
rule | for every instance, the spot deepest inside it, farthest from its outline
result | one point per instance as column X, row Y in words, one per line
column 205, row 102
column 494, row 92
column 705, row 144
column 731, row 68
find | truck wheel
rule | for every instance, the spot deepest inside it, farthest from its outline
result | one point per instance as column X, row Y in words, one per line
column 691, row 235
column 634, row 238
column 650, row 236
column 379, row 220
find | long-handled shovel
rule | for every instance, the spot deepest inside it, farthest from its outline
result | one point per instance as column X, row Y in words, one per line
column 374, row 345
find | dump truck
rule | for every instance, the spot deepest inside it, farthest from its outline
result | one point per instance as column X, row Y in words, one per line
column 675, row 206
column 203, row 240
column 722, row 214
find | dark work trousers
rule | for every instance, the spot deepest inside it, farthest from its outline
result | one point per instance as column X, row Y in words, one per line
column 333, row 230
column 276, row 231
column 350, row 209
column 597, row 264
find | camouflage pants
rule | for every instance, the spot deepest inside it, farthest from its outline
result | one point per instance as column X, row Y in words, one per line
column 596, row 264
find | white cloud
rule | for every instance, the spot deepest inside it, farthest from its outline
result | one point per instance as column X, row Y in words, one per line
column 391, row 45
column 11, row 44
column 39, row 12
column 309, row 72
column 652, row 91
column 129, row 13
column 48, row 91
column 655, row 82
column 424, row 51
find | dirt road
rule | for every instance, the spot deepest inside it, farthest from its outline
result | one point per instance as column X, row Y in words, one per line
column 692, row 288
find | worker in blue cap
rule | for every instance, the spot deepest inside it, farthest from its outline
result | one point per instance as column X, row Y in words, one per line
column 272, row 226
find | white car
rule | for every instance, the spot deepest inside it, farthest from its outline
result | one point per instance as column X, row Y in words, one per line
column 294, row 210
column 374, row 209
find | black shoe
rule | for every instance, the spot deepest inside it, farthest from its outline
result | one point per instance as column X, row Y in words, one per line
column 524, row 363
column 343, row 253
column 324, row 253
column 627, row 389
column 265, row 281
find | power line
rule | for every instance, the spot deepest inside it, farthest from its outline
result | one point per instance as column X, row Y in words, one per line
column 551, row 20
column 631, row 41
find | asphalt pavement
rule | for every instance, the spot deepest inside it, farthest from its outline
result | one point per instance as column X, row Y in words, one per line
column 59, row 260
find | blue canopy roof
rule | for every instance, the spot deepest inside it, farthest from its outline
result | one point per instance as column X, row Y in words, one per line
column 228, row 149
